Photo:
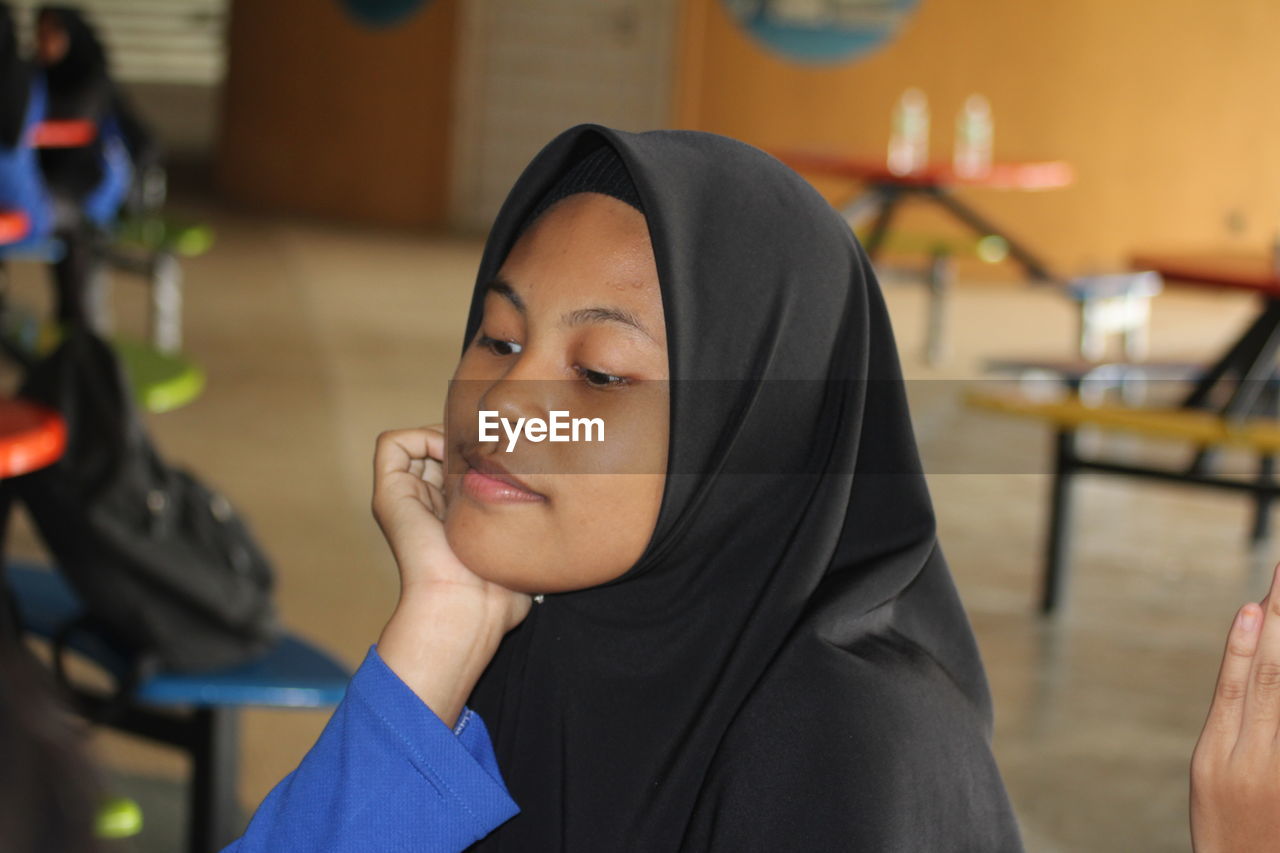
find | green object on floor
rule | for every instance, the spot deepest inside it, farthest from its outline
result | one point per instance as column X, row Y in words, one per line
column 161, row 381
column 154, row 233
column 118, row 817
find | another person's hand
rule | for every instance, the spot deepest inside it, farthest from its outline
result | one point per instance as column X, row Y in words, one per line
column 1235, row 770
column 448, row 621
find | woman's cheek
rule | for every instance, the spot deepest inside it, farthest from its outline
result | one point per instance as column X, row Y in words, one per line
column 603, row 523
column 469, row 539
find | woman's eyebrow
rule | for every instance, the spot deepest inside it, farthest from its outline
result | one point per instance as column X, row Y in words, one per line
column 503, row 288
column 597, row 314
column 600, row 314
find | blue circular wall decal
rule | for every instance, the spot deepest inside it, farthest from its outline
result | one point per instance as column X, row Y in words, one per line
column 382, row 13
column 821, row 31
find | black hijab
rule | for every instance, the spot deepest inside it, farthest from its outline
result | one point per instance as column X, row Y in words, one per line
column 787, row 666
column 79, row 83
column 15, row 82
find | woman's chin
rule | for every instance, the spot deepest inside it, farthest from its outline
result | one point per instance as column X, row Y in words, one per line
column 523, row 554
column 489, row 554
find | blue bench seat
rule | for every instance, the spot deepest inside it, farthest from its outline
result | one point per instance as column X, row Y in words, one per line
column 196, row 712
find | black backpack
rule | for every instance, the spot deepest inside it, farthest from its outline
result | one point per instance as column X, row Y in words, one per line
column 165, row 567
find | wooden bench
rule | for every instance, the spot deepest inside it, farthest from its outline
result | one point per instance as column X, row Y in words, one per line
column 1093, row 381
column 1196, row 428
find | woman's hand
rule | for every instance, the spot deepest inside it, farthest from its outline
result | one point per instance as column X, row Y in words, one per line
column 1235, row 770
column 448, row 621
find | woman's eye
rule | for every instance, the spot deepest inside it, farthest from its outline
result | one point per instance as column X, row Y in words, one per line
column 597, row 379
column 497, row 346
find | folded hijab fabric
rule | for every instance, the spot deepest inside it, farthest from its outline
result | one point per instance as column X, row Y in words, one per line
column 602, row 171
column 787, row 666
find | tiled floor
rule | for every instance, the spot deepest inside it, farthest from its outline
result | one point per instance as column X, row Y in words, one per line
column 316, row 337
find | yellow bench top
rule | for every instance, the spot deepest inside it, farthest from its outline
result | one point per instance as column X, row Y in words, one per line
column 1199, row 427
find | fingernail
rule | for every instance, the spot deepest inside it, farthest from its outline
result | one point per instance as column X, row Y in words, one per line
column 1248, row 620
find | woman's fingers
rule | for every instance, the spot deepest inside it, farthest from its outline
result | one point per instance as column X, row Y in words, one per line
column 433, row 472
column 398, row 448
column 436, row 498
column 401, row 461
column 1227, row 709
column 1262, row 700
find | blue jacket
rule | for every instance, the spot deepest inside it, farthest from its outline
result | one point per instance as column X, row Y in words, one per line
column 386, row 774
column 21, row 183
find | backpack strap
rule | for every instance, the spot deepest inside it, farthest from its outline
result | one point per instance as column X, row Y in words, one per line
column 98, row 707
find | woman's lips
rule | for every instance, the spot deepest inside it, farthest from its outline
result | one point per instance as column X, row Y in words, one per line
column 490, row 489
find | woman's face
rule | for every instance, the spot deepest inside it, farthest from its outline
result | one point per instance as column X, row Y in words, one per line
column 51, row 40
column 573, row 323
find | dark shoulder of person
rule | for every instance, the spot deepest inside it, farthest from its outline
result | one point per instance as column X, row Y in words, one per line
column 869, row 747
column 47, row 788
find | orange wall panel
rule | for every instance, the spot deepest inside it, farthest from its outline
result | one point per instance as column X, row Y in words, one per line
column 1166, row 108
column 324, row 116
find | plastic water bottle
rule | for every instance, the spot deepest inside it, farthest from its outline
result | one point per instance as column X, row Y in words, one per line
column 972, row 157
column 909, row 139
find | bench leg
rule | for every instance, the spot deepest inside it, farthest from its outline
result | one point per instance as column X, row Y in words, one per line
column 1035, row 267
column 97, row 300
column 165, row 292
column 884, row 217
column 1253, row 358
column 1268, row 404
column 1057, row 551
column 10, row 618
column 1242, row 353
column 1137, row 333
column 1091, row 340
column 1261, row 531
column 861, row 208
column 74, row 278
column 939, row 280
column 213, row 815
column 1251, row 391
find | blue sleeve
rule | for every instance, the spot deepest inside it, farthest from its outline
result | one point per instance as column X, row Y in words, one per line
column 103, row 202
column 386, row 774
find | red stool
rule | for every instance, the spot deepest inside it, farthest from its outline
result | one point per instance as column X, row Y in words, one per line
column 14, row 225
column 66, row 133
column 31, row 437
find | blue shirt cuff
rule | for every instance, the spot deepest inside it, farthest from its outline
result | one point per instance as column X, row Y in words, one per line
column 432, row 747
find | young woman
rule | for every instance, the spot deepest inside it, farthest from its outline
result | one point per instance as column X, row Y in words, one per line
column 93, row 177
column 745, row 634
column 90, row 184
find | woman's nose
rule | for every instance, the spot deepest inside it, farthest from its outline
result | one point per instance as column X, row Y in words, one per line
column 528, row 389
column 513, row 399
